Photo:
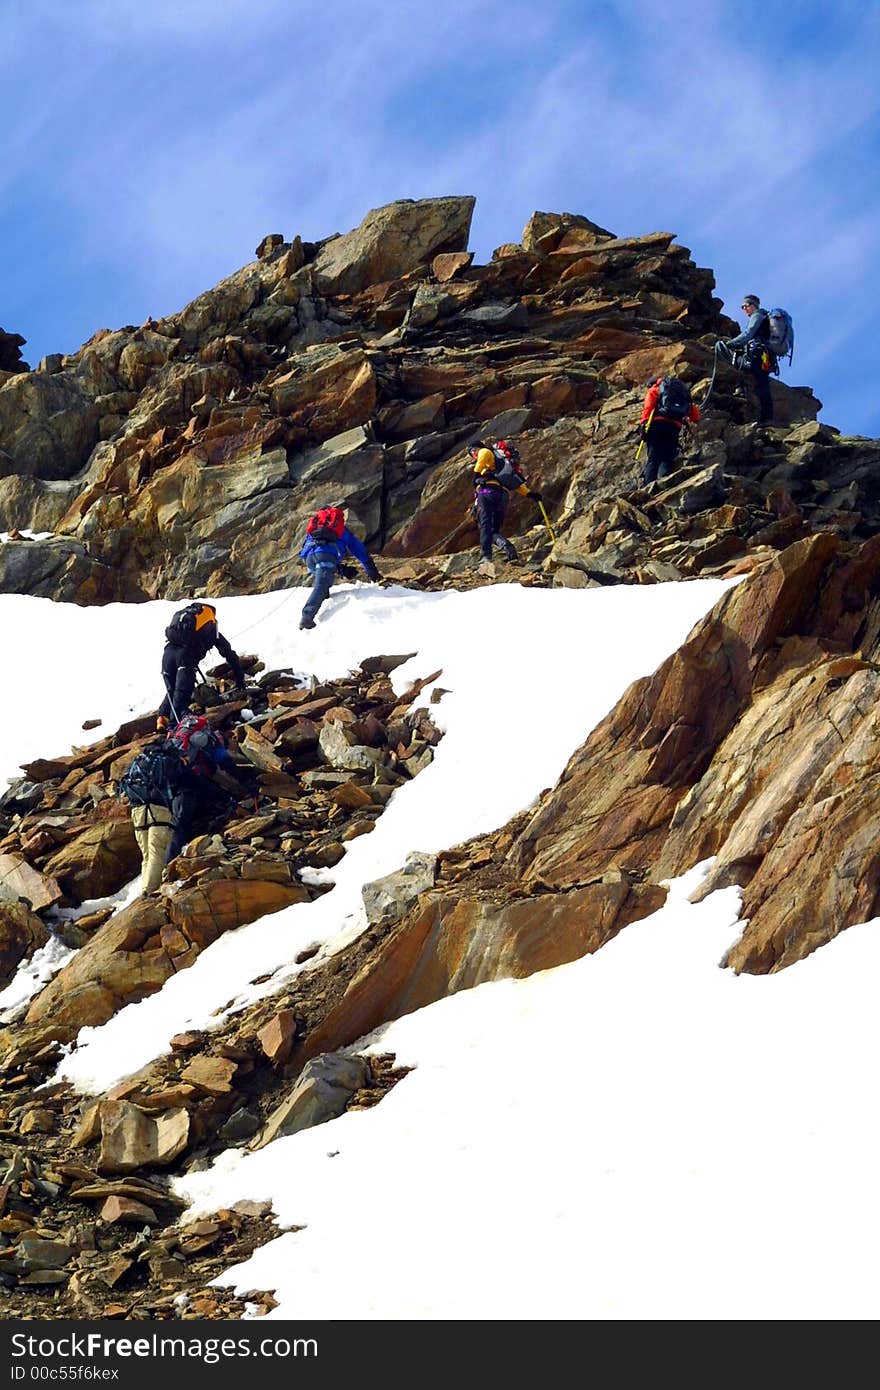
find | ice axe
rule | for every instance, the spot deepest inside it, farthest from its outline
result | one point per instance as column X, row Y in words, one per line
column 547, row 521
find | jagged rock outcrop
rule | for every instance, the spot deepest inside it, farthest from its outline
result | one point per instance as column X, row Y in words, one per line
column 10, row 353
column 391, row 242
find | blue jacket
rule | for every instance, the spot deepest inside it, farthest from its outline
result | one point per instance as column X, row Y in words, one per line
column 336, row 551
column 758, row 326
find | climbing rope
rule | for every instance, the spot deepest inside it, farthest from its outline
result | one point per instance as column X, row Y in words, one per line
column 705, row 401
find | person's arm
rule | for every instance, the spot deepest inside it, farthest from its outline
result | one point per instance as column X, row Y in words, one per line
column 360, row 553
column 751, row 331
column 229, row 655
column 650, row 403
column 223, row 761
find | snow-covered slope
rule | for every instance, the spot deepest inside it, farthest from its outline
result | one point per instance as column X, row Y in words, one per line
column 527, row 673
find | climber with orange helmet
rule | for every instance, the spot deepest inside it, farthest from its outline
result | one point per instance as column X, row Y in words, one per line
column 189, row 637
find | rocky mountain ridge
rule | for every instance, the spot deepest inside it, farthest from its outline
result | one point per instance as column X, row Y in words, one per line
column 184, row 456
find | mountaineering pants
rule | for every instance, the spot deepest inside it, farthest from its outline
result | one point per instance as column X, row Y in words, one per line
column 762, row 386
column 661, row 441
column 323, row 571
column 490, row 505
column 179, row 668
column 193, row 807
column 153, row 829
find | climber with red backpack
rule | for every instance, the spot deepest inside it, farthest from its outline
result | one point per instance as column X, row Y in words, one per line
column 189, row 637
column 328, row 541
column 496, row 475
column 202, row 753
column 666, row 408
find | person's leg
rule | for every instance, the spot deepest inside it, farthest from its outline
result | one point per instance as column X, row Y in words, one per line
column 170, row 662
column 179, row 675
column 666, row 453
column 139, row 825
column 499, row 512
column 183, row 809
column 486, row 522
column 324, row 573
column 762, row 388
column 158, row 835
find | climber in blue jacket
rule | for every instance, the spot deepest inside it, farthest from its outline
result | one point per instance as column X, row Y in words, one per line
column 328, row 541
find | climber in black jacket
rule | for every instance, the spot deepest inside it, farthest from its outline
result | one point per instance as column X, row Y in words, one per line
column 189, row 637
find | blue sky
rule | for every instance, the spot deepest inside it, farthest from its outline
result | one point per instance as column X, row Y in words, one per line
column 145, row 149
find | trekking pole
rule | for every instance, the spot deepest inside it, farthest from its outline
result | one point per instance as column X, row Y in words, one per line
column 642, row 445
column 547, row 521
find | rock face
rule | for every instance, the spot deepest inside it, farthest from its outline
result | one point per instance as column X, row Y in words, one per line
column 21, row 933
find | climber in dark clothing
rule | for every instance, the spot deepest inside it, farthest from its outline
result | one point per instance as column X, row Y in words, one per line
column 189, row 637
column 667, row 407
column 199, row 798
column 495, row 477
column 751, row 348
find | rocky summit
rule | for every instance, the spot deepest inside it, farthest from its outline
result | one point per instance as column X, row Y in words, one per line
column 183, row 457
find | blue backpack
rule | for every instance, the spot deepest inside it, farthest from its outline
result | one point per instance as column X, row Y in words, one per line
column 781, row 339
column 154, row 776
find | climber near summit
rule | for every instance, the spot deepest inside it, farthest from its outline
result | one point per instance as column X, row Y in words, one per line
column 495, row 476
column 189, row 637
column 666, row 408
column 751, row 349
column 326, row 545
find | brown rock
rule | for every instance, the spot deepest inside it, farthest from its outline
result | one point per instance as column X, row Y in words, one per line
column 125, row 1211
column 131, row 1140
column 18, row 879
column 277, row 1036
column 391, row 241
column 211, row 1074
column 21, row 932
column 99, row 861
column 38, row 1121
column 450, row 943
column 450, row 264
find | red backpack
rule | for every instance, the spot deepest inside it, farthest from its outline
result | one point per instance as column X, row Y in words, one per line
column 191, row 738
column 327, row 524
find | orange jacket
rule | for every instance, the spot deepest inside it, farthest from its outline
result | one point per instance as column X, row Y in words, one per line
column 650, row 405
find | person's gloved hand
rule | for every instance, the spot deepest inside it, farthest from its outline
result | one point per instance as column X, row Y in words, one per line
column 373, row 574
column 533, row 495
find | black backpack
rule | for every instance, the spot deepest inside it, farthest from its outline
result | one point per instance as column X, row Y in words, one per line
column 154, row 776
column 181, row 630
column 673, row 399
